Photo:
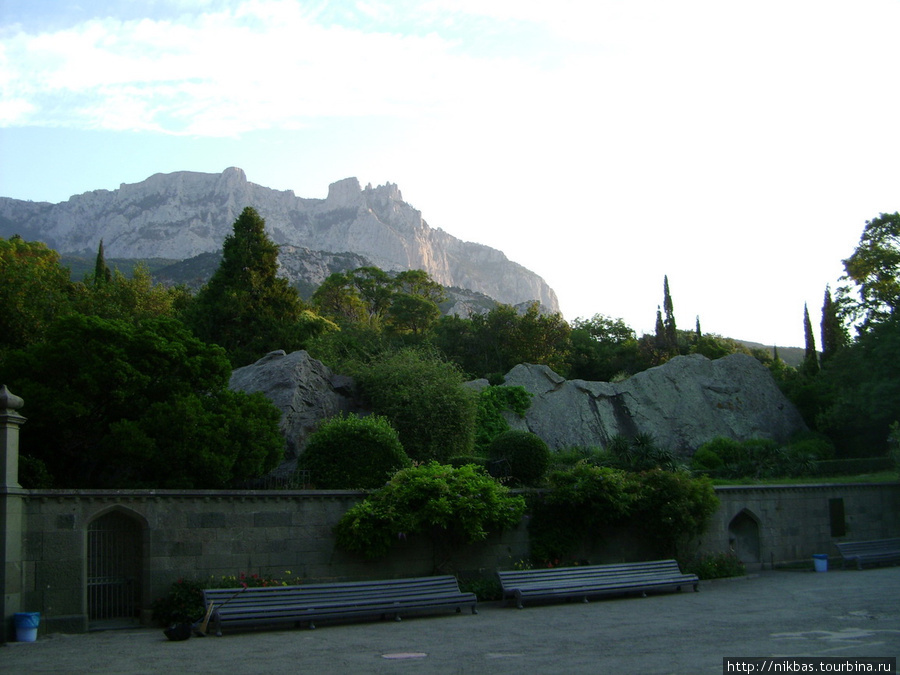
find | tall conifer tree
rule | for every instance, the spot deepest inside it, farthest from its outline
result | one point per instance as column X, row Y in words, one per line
column 669, row 308
column 246, row 307
column 834, row 335
column 811, row 360
column 102, row 273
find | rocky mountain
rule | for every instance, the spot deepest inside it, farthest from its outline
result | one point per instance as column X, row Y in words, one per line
column 185, row 214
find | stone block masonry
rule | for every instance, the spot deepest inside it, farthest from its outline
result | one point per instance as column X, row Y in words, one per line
column 194, row 534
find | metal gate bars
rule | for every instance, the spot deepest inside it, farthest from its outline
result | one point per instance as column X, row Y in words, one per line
column 114, row 567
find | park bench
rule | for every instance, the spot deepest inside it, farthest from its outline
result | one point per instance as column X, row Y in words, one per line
column 308, row 603
column 592, row 580
column 875, row 552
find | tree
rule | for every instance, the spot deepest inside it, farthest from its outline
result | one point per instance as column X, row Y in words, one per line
column 860, row 389
column 670, row 329
column 338, row 298
column 414, row 305
column 115, row 296
column 246, row 307
column 424, row 398
column 116, row 404
column 874, row 268
column 811, row 359
column 601, row 349
column 834, row 335
column 102, row 273
column 34, row 290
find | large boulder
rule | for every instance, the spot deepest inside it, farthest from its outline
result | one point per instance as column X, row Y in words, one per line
column 683, row 403
column 304, row 389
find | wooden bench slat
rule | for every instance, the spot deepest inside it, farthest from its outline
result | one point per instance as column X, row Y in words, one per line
column 591, row 580
column 874, row 551
column 353, row 599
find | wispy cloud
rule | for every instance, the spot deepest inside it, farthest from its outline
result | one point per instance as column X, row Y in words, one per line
column 260, row 64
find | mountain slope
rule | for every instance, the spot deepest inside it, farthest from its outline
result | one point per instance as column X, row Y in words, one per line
column 184, row 214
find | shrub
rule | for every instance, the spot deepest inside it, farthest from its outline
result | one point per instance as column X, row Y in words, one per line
column 527, row 454
column 492, row 402
column 639, row 453
column 452, row 506
column 666, row 507
column 581, row 503
column 353, row 453
column 671, row 507
column 706, row 460
column 714, row 566
column 423, row 397
column 183, row 603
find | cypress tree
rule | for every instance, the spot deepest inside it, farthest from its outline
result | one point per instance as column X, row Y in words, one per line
column 246, row 307
column 102, row 273
column 811, row 360
column 834, row 335
column 660, row 330
column 671, row 334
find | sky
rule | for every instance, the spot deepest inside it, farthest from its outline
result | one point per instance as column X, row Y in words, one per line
column 737, row 148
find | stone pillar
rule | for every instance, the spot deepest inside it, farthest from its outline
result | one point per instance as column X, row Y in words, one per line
column 12, row 512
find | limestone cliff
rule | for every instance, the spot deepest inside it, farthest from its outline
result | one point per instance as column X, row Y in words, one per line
column 184, row 214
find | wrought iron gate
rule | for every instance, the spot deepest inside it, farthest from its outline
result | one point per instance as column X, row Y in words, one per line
column 114, row 567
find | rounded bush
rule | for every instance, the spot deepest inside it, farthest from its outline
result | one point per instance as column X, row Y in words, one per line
column 527, row 454
column 706, row 459
column 353, row 453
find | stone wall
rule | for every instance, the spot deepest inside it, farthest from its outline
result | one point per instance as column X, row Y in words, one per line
column 774, row 524
column 200, row 533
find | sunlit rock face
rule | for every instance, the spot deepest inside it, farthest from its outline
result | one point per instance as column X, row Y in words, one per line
column 181, row 215
column 683, row 403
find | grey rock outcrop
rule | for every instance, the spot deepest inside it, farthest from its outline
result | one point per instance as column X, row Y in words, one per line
column 684, row 403
column 185, row 214
column 304, row 389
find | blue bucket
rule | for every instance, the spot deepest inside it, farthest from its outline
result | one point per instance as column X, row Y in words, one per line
column 27, row 625
column 820, row 561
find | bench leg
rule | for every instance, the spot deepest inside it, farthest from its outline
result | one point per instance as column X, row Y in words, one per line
column 474, row 609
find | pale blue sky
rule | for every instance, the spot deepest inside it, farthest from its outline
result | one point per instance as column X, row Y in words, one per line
column 736, row 147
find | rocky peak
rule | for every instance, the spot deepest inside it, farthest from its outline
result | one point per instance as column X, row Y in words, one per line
column 344, row 194
column 186, row 214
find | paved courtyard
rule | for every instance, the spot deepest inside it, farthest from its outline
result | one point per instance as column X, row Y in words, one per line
column 838, row 613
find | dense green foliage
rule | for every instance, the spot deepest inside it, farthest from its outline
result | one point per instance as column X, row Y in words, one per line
column 492, row 403
column 527, row 455
column 452, row 506
column 716, row 566
column 423, row 397
column 34, row 290
column 667, row 508
column 762, row 458
column 874, row 271
column 640, row 452
column 246, row 307
column 490, row 345
column 349, row 453
column 119, row 404
column 384, row 328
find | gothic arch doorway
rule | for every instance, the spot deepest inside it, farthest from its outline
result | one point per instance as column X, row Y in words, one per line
column 743, row 535
column 115, row 553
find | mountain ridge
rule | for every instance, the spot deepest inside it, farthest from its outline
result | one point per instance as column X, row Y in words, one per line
column 184, row 214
